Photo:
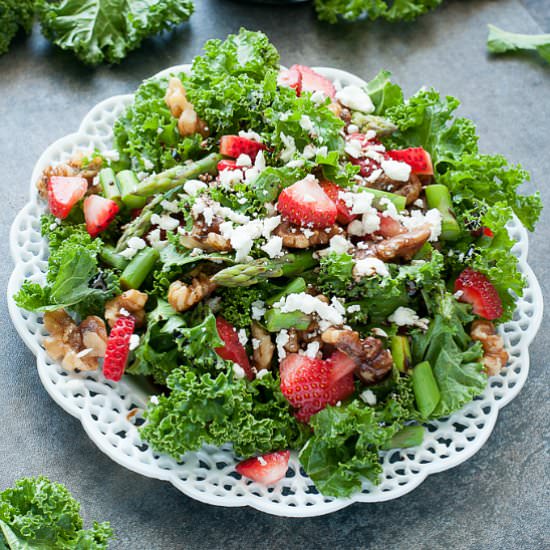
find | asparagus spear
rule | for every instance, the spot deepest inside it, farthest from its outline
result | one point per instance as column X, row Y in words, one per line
column 399, row 201
column 294, row 287
column 110, row 257
column 257, row 270
column 409, row 436
column 438, row 196
column 139, row 267
column 128, row 183
column 401, row 352
column 109, row 185
column 276, row 320
column 173, row 177
column 426, row 390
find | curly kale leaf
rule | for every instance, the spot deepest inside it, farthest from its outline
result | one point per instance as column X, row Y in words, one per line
column 38, row 513
column 500, row 41
column 344, row 448
column 236, row 304
column 147, row 132
column 391, row 10
column 200, row 410
column 106, row 30
column 14, row 15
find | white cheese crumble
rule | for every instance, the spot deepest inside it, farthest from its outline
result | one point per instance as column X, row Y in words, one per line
column 135, row 244
column 258, row 310
column 370, row 266
column 354, row 148
column 192, row 187
column 355, row 98
column 238, row 371
column 273, row 247
column 318, row 97
column 379, row 332
column 134, row 342
column 307, row 124
column 354, row 308
column 261, row 373
column 368, row 397
column 404, row 316
column 262, row 460
column 228, row 178
column 398, row 171
column 281, row 341
column 165, row 221
column 249, row 134
column 244, row 160
column 312, row 350
column 418, row 219
column 243, row 338
column 352, row 129
column 147, row 164
column 290, row 147
column 259, row 162
column 154, row 399
column 328, row 314
column 339, row 244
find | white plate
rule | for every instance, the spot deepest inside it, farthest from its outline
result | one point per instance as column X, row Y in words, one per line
column 102, row 406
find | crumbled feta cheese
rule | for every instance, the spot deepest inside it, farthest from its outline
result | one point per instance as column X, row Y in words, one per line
column 259, row 163
column 255, row 343
column 419, row 203
column 273, row 247
column 269, row 225
column 258, row 310
column 374, row 175
column 418, row 219
column 395, row 170
column 312, row 350
column 261, row 373
column 133, row 246
column 297, row 163
column 249, row 134
column 244, row 160
column 238, row 371
column 404, row 316
column 339, row 244
column 281, row 341
column 354, row 308
column 154, row 399
column 309, row 151
column 243, row 338
column 111, row 155
column 368, row 397
column 134, row 342
column 290, row 147
column 262, row 460
column 147, row 164
column 318, row 97
column 379, row 332
column 352, row 129
column 165, row 221
column 228, row 178
column 337, row 305
column 124, row 312
column 241, row 242
column 355, row 98
column 170, row 206
column 370, row 266
column 192, row 187
column 307, row 124
column 354, row 148
column 458, row 294
column 327, row 313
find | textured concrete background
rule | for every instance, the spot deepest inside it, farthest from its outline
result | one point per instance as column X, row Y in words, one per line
column 499, row 498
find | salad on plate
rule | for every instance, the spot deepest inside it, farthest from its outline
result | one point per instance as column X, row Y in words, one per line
column 295, row 263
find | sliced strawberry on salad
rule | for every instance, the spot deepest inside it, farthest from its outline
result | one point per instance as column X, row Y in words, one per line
column 64, row 192
column 232, row 350
column 234, row 146
column 266, row 469
column 118, row 348
column 417, row 158
column 99, row 212
column 227, row 164
column 312, row 81
column 332, row 190
column 306, row 204
column 389, row 227
column 474, row 288
column 291, row 78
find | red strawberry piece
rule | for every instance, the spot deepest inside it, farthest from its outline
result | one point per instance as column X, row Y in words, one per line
column 389, row 227
column 232, row 350
column 233, row 146
column 64, row 192
column 306, row 204
column 333, row 192
column 118, row 348
column 266, row 469
column 312, row 81
column 291, row 78
column 483, row 232
column 476, row 289
column 417, row 158
column 99, row 212
column 341, row 380
column 227, row 164
column 305, row 384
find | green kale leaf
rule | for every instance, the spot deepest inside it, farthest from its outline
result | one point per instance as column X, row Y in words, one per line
column 500, row 41
column 38, row 513
column 236, row 304
column 106, row 30
column 14, row 15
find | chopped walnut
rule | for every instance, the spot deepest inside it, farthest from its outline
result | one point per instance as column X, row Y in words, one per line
column 404, row 245
column 293, row 344
column 77, row 347
column 263, row 351
column 71, row 168
column 183, row 296
column 302, row 237
column 373, row 362
column 211, row 242
column 410, row 189
column 189, row 122
column 130, row 302
column 495, row 356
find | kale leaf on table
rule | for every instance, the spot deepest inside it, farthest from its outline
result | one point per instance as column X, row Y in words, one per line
column 500, row 41
column 106, row 30
column 14, row 15
column 40, row 514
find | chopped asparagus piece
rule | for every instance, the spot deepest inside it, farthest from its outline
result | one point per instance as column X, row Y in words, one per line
column 139, row 267
column 438, row 196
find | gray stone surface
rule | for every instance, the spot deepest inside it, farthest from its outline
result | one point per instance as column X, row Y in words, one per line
column 499, row 498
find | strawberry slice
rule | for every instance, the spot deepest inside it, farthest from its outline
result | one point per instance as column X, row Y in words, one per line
column 233, row 146
column 118, row 348
column 314, row 82
column 341, row 380
column 99, row 212
column 306, row 204
column 64, row 192
column 227, row 164
column 477, row 290
column 333, row 192
column 417, row 158
column 266, row 469
column 389, row 227
column 291, row 78
column 233, row 350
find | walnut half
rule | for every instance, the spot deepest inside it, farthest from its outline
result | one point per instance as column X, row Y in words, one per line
column 183, row 296
column 495, row 356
